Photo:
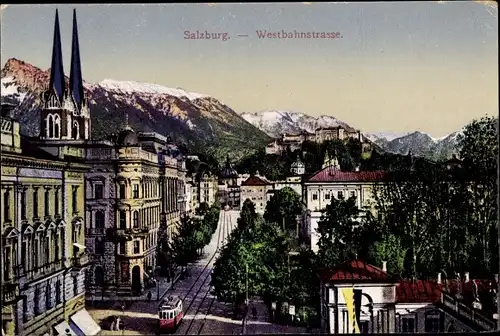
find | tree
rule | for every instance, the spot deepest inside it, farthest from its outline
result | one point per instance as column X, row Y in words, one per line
column 202, row 209
column 339, row 232
column 391, row 250
column 283, row 208
column 185, row 243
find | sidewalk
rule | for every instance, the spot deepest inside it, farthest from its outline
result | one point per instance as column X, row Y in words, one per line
column 162, row 284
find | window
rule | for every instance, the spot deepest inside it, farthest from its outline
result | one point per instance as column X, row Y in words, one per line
column 99, row 221
column 56, row 246
column 37, row 253
column 123, row 219
column 408, row 324
column 135, row 191
column 121, row 248
column 36, row 301
column 99, row 246
column 75, row 285
column 74, row 199
column 136, row 219
column 6, row 206
column 6, row 266
column 122, row 191
column 137, row 247
column 35, row 203
column 432, row 323
column 327, row 196
column 315, row 197
column 24, row 250
column 46, row 202
column 23, row 205
column 56, row 201
column 99, row 276
column 48, row 296
column 58, row 291
column 57, row 121
column 98, row 191
column 340, row 195
column 25, row 310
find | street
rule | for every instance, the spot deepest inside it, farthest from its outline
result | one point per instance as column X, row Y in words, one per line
column 203, row 313
column 141, row 317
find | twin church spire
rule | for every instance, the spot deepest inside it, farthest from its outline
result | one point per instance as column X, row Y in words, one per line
column 65, row 115
column 57, row 84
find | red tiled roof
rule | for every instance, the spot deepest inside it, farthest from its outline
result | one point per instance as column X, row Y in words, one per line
column 419, row 291
column 330, row 175
column 356, row 270
column 254, row 181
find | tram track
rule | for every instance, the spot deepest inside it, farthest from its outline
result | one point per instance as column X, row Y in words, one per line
column 227, row 228
column 223, row 230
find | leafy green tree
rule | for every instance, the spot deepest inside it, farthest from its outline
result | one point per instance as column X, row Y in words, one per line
column 202, row 209
column 283, row 208
column 185, row 243
column 339, row 231
column 478, row 148
column 391, row 250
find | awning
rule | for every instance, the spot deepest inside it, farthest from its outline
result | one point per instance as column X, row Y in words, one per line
column 63, row 329
column 80, row 246
column 84, row 324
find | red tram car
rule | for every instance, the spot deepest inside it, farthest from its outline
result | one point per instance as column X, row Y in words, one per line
column 170, row 314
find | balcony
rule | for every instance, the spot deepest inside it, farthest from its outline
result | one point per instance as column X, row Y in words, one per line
column 42, row 271
column 132, row 232
column 95, row 231
column 79, row 262
column 10, row 293
column 468, row 313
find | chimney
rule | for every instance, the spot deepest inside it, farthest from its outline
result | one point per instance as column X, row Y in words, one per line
column 467, row 277
column 439, row 278
column 384, row 266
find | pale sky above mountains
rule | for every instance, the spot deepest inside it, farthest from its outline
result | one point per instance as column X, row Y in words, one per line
column 398, row 67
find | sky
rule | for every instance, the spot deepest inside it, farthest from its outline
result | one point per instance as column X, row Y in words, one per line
column 393, row 66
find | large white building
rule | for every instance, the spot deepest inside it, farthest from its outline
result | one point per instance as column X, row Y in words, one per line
column 331, row 182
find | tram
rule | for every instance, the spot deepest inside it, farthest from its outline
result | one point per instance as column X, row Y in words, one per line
column 170, row 314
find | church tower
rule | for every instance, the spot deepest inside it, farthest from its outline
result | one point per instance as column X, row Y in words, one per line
column 65, row 115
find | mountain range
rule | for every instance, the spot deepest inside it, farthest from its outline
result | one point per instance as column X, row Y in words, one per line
column 276, row 122
column 199, row 123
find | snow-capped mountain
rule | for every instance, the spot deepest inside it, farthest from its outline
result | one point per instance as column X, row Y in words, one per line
column 389, row 136
column 275, row 123
column 194, row 120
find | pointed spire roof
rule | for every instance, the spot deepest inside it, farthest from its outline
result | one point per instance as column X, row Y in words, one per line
column 75, row 77
column 57, row 82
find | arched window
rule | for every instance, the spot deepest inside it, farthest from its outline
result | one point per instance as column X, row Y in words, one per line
column 75, row 130
column 50, row 123
column 57, row 126
column 136, row 219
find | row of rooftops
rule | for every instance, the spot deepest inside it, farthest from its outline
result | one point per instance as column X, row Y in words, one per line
column 332, row 174
column 409, row 291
